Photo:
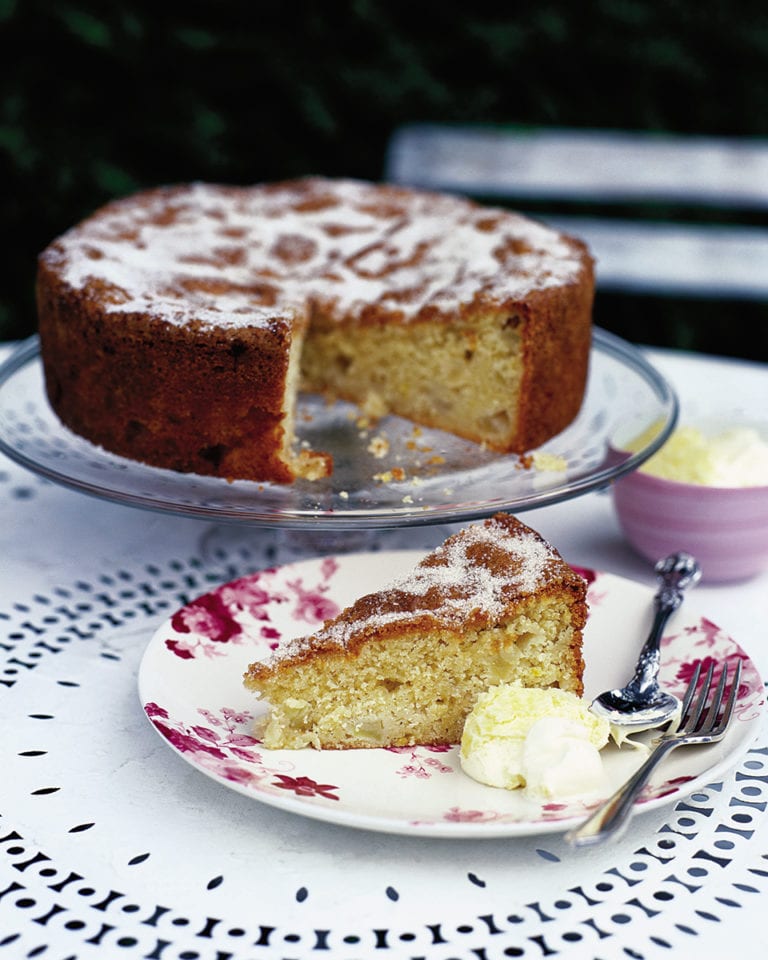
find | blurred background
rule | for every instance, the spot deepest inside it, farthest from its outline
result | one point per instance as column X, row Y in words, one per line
column 99, row 99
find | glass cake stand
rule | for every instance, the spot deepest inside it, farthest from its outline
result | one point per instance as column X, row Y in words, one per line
column 388, row 474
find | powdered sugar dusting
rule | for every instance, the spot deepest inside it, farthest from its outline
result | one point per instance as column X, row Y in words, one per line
column 473, row 576
column 463, row 580
column 233, row 256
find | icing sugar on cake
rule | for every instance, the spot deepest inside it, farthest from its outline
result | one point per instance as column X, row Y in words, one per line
column 280, row 246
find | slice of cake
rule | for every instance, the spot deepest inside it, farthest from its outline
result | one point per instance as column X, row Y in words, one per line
column 494, row 604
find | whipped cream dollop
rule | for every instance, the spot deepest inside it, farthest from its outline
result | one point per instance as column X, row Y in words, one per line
column 546, row 742
column 737, row 457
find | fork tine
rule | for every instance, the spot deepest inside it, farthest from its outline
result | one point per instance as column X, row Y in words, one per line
column 694, row 682
column 697, row 708
column 731, row 701
column 710, row 721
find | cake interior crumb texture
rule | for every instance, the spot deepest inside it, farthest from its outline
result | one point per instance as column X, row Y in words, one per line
column 404, row 666
column 462, row 378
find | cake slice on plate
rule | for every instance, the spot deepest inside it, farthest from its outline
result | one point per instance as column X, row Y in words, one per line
column 495, row 603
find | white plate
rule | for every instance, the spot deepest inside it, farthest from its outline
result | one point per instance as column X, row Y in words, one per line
column 190, row 684
column 443, row 478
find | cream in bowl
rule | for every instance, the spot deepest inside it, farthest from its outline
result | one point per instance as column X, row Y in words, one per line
column 706, row 492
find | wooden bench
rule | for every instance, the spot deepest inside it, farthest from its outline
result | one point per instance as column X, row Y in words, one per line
column 684, row 257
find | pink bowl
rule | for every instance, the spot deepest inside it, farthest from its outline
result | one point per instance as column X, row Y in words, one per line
column 725, row 528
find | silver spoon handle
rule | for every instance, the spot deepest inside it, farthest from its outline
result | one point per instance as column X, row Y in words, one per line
column 675, row 573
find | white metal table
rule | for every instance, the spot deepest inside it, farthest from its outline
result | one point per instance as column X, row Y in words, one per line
column 111, row 847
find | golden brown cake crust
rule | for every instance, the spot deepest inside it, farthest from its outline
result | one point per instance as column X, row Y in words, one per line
column 556, row 362
column 166, row 318
column 142, row 389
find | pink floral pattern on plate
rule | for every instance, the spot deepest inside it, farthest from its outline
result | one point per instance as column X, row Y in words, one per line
column 190, row 684
column 230, row 754
column 242, row 611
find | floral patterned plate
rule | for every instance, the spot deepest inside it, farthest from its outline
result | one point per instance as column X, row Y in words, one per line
column 190, row 684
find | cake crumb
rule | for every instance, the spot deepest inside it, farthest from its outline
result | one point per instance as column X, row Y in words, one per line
column 419, row 448
column 374, row 406
column 549, row 462
column 379, row 446
column 396, row 474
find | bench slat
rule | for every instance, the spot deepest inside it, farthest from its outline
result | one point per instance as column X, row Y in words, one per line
column 729, row 262
column 582, row 165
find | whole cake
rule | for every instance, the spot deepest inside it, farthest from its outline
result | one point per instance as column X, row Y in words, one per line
column 178, row 324
column 494, row 604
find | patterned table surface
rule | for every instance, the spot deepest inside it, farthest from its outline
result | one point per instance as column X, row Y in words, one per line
column 111, row 846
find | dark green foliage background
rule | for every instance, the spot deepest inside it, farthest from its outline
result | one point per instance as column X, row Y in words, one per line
column 100, row 98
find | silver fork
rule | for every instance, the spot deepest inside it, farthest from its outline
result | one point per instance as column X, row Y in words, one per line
column 697, row 724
